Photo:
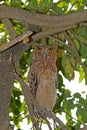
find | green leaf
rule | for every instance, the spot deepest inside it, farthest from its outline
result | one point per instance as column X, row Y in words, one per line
column 1, row 27
column 83, row 51
column 16, row 3
column 60, row 80
column 77, row 95
column 86, row 79
column 81, row 39
column 82, row 31
column 82, row 74
column 33, row 5
column 67, row 93
column 85, row 2
column 76, row 44
column 68, row 64
column 39, row 5
column 81, row 114
column 68, row 104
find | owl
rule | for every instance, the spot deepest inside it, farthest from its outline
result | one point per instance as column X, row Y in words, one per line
column 42, row 76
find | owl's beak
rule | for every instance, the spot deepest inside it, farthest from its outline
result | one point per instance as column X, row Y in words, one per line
column 44, row 55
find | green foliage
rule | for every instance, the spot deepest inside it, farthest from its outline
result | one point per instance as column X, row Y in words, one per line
column 67, row 63
column 16, row 3
column 18, row 108
column 39, row 5
column 4, row 36
column 18, row 26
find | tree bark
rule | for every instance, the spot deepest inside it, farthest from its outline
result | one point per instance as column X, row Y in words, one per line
column 6, row 86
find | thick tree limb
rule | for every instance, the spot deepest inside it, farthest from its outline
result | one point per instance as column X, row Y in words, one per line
column 6, row 86
column 42, row 20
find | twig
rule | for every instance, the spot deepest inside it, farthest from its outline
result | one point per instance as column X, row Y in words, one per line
column 71, row 116
column 83, row 24
column 48, row 123
column 66, row 46
column 56, row 119
column 17, row 117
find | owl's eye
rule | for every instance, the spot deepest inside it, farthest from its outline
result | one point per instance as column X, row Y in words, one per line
column 49, row 51
column 40, row 50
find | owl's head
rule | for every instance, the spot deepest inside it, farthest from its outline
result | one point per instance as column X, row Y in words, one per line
column 45, row 52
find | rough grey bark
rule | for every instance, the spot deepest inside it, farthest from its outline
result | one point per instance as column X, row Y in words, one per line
column 6, row 86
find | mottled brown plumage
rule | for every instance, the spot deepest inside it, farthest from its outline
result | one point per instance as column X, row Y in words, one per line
column 43, row 75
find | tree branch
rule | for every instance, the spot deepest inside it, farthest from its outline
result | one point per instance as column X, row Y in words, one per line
column 6, row 87
column 9, row 27
column 48, row 123
column 51, row 32
column 42, row 20
column 15, row 41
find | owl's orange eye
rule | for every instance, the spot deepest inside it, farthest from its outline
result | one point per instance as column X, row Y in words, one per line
column 39, row 50
column 49, row 51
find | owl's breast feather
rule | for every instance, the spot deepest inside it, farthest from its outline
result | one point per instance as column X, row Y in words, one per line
column 46, row 91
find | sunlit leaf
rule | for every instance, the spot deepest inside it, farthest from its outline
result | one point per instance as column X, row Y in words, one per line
column 77, row 44
column 68, row 64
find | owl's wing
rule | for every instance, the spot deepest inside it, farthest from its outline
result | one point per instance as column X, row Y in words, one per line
column 33, row 82
column 56, row 81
